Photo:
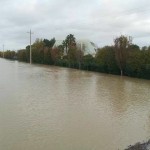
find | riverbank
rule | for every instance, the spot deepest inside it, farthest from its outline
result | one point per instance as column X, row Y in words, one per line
column 140, row 146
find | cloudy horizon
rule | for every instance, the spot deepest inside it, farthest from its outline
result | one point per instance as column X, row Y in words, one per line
column 99, row 21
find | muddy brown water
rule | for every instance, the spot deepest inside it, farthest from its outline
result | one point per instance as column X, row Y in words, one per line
column 53, row 108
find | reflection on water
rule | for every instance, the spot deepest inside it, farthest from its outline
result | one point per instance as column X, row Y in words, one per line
column 43, row 108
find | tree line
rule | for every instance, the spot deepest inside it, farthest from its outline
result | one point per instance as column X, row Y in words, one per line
column 122, row 58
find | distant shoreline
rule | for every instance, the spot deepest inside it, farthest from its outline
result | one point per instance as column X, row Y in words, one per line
column 122, row 58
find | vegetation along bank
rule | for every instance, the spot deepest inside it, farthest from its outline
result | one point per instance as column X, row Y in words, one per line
column 122, row 58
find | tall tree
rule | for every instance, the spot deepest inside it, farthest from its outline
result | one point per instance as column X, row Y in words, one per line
column 70, row 45
column 121, row 45
column 49, row 43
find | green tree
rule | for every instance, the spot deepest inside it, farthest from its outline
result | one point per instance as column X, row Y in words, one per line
column 133, row 47
column 134, row 64
column 88, row 61
column 105, row 59
column 10, row 54
column 22, row 55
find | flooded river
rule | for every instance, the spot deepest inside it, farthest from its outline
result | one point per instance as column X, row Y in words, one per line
column 53, row 108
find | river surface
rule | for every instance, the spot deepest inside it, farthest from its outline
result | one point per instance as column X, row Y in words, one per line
column 53, row 108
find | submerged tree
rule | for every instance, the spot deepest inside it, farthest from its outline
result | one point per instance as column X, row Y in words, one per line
column 105, row 59
column 69, row 45
column 121, row 45
column 49, row 44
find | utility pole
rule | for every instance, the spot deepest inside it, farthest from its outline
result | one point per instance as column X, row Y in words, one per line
column 81, row 45
column 30, row 47
column 80, row 52
column 3, row 50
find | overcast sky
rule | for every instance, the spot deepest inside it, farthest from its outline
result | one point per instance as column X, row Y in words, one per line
column 97, row 20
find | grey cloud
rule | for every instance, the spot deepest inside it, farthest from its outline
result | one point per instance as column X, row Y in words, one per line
column 98, row 20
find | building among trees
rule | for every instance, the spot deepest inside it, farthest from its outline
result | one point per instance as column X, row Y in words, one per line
column 86, row 46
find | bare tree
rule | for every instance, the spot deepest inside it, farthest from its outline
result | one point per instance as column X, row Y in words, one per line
column 121, row 45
